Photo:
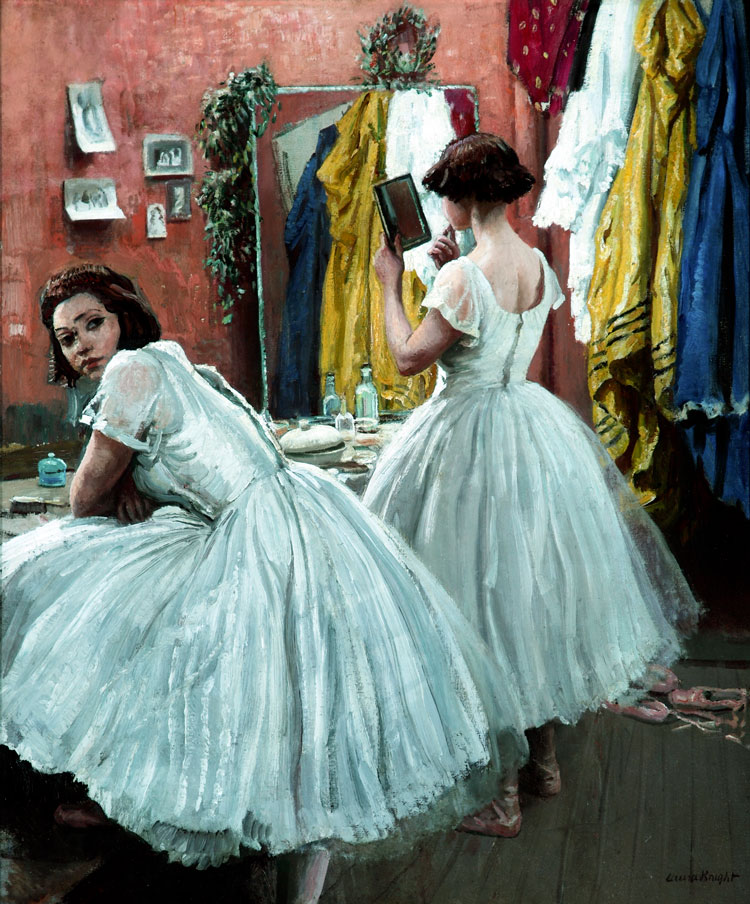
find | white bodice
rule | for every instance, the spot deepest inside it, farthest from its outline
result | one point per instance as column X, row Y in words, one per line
column 197, row 442
column 498, row 345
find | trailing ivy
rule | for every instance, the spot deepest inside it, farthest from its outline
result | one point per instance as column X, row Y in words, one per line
column 384, row 63
column 234, row 116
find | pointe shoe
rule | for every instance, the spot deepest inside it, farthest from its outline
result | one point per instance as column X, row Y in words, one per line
column 661, row 680
column 710, row 698
column 645, row 710
column 502, row 818
column 85, row 815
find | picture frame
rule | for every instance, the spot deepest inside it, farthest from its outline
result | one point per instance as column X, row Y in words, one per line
column 156, row 222
column 178, row 200
column 90, row 124
column 91, row 199
column 167, row 155
column 401, row 211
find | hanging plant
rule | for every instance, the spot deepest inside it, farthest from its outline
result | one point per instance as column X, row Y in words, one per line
column 234, row 116
column 397, row 51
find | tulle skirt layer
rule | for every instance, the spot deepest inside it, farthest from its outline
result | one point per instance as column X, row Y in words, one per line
column 286, row 675
column 516, row 507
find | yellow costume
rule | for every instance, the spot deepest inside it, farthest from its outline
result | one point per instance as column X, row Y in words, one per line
column 634, row 287
column 352, row 328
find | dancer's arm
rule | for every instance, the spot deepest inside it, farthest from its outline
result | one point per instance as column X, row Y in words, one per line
column 413, row 350
column 103, row 485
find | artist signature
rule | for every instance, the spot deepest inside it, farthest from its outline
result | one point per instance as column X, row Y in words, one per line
column 705, row 875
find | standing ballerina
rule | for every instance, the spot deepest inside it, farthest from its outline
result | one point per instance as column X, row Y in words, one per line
column 229, row 649
column 504, row 492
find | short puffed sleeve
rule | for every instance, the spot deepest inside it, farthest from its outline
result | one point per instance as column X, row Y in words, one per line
column 454, row 296
column 134, row 404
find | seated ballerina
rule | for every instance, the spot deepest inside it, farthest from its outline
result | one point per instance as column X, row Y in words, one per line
column 503, row 491
column 227, row 648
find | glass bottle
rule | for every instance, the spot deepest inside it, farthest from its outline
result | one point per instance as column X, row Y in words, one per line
column 366, row 406
column 331, row 402
column 51, row 471
column 345, row 423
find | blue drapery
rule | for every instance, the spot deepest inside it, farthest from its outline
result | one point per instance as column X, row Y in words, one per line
column 713, row 337
column 308, row 245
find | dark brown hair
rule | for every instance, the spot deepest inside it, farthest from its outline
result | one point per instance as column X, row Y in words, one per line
column 480, row 166
column 119, row 295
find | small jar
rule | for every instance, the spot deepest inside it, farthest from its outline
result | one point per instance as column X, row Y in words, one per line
column 366, row 404
column 331, row 403
column 52, row 471
column 345, row 423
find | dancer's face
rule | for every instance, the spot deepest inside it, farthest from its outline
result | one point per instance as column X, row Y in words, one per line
column 458, row 213
column 87, row 332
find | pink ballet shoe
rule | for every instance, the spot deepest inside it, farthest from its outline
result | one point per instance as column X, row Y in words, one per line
column 85, row 815
column 502, row 818
column 645, row 710
column 661, row 680
column 710, row 698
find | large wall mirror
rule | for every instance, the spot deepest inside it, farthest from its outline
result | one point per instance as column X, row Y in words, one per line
column 320, row 309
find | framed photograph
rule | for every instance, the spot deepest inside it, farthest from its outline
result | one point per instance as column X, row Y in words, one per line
column 167, row 155
column 401, row 211
column 178, row 200
column 89, row 119
column 156, row 222
column 91, row 199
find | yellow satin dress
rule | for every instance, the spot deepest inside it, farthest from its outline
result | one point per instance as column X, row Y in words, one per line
column 352, row 328
column 634, row 287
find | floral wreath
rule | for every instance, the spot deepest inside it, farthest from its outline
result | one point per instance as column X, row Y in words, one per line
column 397, row 51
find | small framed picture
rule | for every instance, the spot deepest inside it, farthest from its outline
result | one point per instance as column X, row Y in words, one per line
column 91, row 199
column 156, row 222
column 178, row 200
column 167, row 155
column 89, row 119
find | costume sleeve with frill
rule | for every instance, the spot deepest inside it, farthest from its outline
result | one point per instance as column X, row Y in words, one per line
column 134, row 404
column 454, row 297
column 591, row 145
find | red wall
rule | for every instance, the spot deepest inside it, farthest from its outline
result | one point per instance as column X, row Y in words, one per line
column 156, row 59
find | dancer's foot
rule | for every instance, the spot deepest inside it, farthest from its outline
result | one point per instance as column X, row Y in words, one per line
column 541, row 775
column 85, row 815
column 542, row 779
column 502, row 818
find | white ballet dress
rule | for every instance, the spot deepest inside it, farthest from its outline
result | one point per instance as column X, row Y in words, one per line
column 259, row 665
column 515, row 506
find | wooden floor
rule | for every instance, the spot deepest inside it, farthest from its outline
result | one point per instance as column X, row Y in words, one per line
column 648, row 814
column 642, row 807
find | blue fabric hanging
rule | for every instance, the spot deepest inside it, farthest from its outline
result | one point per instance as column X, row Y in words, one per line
column 713, row 337
column 308, row 245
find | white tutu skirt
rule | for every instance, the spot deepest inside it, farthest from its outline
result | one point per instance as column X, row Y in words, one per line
column 286, row 675
column 515, row 506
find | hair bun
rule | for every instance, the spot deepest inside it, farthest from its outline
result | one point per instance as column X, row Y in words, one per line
column 480, row 166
